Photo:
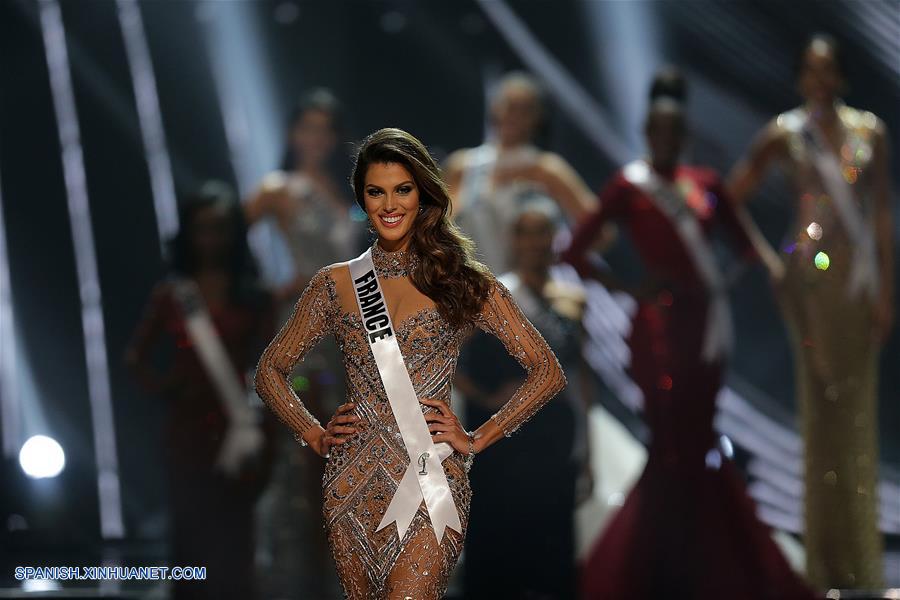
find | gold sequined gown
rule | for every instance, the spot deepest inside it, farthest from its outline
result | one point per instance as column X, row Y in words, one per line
column 836, row 362
column 362, row 474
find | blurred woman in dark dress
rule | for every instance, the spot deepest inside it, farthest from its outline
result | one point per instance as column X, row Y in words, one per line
column 526, row 548
column 218, row 452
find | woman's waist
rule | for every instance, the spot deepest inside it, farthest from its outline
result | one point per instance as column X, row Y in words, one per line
column 377, row 441
column 375, row 409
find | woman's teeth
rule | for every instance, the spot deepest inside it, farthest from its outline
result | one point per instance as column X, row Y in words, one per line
column 392, row 220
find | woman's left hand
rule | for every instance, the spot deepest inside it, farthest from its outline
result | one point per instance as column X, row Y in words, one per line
column 445, row 427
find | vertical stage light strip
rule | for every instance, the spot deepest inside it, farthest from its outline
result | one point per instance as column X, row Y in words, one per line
column 251, row 115
column 161, row 181
column 10, row 408
column 635, row 28
column 53, row 33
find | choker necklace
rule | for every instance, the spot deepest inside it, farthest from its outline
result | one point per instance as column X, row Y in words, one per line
column 399, row 263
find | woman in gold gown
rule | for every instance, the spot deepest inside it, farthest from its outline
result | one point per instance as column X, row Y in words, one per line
column 437, row 294
column 833, row 280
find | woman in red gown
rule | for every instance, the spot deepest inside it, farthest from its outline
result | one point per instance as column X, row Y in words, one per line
column 211, row 510
column 687, row 528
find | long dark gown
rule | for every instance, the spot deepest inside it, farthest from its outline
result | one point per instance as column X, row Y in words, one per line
column 504, row 558
column 687, row 528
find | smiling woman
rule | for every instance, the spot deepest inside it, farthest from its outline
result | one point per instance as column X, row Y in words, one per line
column 396, row 452
column 391, row 195
column 395, row 176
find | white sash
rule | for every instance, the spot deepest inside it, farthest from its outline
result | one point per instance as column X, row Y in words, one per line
column 424, row 478
column 864, row 274
column 719, row 335
column 243, row 439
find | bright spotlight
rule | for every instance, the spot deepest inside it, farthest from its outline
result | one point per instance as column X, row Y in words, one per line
column 42, row 456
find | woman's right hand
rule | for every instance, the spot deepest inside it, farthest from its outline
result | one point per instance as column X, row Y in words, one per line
column 336, row 430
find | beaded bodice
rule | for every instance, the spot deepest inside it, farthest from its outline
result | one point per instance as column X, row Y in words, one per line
column 817, row 225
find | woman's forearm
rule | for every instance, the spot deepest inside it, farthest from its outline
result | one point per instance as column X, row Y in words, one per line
column 486, row 435
column 767, row 254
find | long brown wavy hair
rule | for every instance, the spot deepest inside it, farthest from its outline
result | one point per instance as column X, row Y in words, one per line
column 447, row 271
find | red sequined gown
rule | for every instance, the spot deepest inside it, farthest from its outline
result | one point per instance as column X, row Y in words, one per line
column 685, row 528
column 211, row 514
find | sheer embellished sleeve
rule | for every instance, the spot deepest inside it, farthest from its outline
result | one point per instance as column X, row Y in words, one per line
column 313, row 318
column 502, row 317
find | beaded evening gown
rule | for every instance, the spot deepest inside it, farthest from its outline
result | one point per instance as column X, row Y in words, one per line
column 835, row 358
column 362, row 474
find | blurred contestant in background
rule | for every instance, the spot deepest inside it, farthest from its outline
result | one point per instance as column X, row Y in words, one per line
column 314, row 219
column 688, row 527
column 303, row 198
column 489, row 182
column 505, row 559
column 211, row 317
column 834, row 282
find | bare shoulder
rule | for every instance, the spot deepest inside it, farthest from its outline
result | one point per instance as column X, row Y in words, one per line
column 269, row 197
column 879, row 135
column 553, row 162
column 865, row 123
column 457, row 158
column 455, row 163
column 274, row 182
column 772, row 139
column 453, row 168
column 779, row 128
column 869, row 121
column 858, row 118
column 555, row 168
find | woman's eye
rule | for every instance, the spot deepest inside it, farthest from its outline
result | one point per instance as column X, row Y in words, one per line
column 405, row 189
column 373, row 192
